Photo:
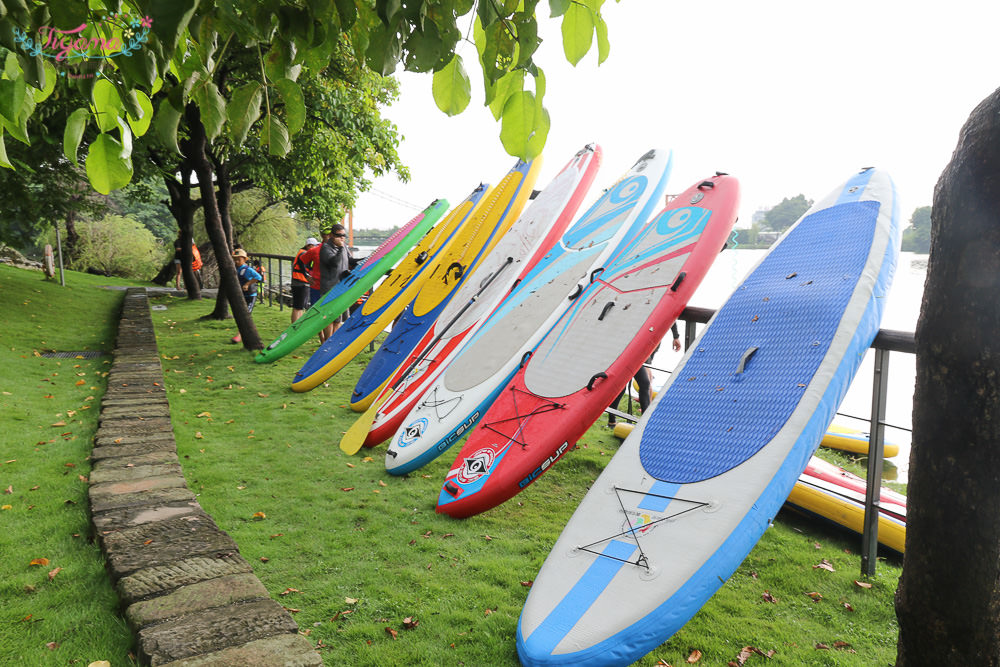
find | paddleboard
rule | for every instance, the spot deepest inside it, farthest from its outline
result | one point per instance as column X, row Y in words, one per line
column 832, row 439
column 472, row 244
column 469, row 383
column 833, row 494
column 705, row 471
column 388, row 300
column 594, row 349
column 542, row 224
column 850, row 440
column 347, row 290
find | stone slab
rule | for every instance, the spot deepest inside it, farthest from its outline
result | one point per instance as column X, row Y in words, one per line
column 161, row 542
column 284, row 650
column 137, row 425
column 110, row 495
column 157, row 580
column 193, row 598
column 138, row 472
column 137, row 400
column 213, row 630
column 146, row 411
column 154, row 440
column 130, row 517
column 118, row 457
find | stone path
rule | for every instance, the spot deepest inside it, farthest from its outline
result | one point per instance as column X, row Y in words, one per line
column 192, row 600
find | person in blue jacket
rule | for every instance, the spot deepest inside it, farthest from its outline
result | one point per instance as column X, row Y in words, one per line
column 248, row 277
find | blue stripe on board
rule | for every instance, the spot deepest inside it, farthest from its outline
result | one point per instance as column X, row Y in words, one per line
column 579, row 599
column 656, row 503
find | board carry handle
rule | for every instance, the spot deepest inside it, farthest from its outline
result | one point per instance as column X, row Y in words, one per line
column 745, row 359
column 677, row 283
column 595, row 273
column 590, row 385
column 577, row 292
column 706, row 184
column 421, row 258
column 608, row 306
column 525, row 357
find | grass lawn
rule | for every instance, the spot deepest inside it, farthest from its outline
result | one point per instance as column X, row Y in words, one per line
column 371, row 574
column 62, row 609
column 375, row 577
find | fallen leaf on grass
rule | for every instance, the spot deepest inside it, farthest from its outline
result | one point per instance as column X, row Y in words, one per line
column 291, row 610
column 7, row 507
column 262, row 395
column 53, row 573
column 410, row 623
column 100, row 663
column 367, row 459
column 204, row 414
column 340, row 614
column 745, row 654
column 694, row 657
column 527, row 584
column 9, row 489
column 264, row 559
column 848, row 607
column 277, row 535
column 824, row 565
column 843, row 646
column 487, row 612
column 392, row 633
column 347, row 488
column 198, row 435
column 60, row 423
column 816, row 597
column 381, row 483
column 259, row 516
column 39, row 561
column 52, row 646
column 767, row 597
column 288, row 591
column 822, row 647
column 862, row 584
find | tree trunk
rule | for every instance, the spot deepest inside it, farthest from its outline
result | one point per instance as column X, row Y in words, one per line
column 183, row 211
column 948, row 601
column 228, row 282
column 225, row 198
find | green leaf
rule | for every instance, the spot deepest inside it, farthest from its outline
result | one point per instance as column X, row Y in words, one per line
column 451, row 87
column 75, row 125
column 106, row 168
column 50, row 83
column 4, row 160
column 385, row 47
column 603, row 45
column 141, row 124
column 295, row 104
column 170, row 19
column 165, row 123
column 107, row 105
column 348, row 13
column 275, row 136
column 527, row 36
column 139, row 68
column 126, row 135
column 523, row 129
column 11, row 98
column 212, row 106
column 68, row 13
column 558, row 7
column 577, row 32
column 34, row 70
column 507, row 85
column 243, row 110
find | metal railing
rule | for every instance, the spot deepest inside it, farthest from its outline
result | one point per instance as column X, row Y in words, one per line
column 273, row 287
column 886, row 341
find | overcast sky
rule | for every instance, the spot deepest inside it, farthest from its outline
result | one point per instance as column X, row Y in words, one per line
column 789, row 96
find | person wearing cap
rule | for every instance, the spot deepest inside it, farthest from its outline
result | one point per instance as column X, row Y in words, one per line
column 335, row 260
column 302, row 277
column 248, row 277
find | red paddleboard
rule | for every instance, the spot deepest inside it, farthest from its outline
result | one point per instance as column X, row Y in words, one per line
column 530, row 238
column 593, row 350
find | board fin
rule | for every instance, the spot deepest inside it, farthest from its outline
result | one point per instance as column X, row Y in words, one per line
column 355, row 436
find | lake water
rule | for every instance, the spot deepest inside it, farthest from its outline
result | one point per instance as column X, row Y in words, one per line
column 902, row 309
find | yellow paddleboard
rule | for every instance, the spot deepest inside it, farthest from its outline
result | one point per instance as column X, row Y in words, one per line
column 489, row 221
column 389, row 299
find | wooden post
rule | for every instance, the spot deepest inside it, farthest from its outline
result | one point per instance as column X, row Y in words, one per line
column 876, row 448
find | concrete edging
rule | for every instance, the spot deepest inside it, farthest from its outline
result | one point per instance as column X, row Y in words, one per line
column 190, row 597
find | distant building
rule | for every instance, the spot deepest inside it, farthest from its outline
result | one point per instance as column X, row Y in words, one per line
column 758, row 215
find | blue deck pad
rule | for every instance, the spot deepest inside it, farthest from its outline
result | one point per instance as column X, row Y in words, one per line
column 712, row 418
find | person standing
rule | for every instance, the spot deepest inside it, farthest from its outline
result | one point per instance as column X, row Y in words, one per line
column 248, row 277
column 335, row 261
column 301, row 278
